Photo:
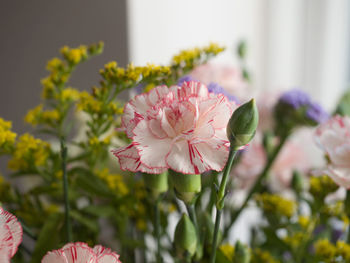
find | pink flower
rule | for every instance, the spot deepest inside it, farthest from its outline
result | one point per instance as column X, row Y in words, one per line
column 227, row 76
column 10, row 235
column 254, row 159
column 81, row 253
column 181, row 128
column 334, row 138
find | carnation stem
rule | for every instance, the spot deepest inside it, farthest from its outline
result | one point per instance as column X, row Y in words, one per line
column 256, row 187
column 192, row 213
column 220, row 201
column 27, row 230
column 347, row 211
column 157, row 229
column 65, row 190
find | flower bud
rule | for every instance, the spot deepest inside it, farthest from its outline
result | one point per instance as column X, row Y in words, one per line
column 185, row 237
column 242, row 124
column 186, row 186
column 297, row 182
column 242, row 253
column 156, row 183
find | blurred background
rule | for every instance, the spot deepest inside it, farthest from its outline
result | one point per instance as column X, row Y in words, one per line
column 291, row 43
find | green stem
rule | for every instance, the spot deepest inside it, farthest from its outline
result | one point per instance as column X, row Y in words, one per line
column 220, row 201
column 347, row 211
column 28, row 231
column 192, row 213
column 216, row 234
column 256, row 187
column 65, row 190
column 157, row 229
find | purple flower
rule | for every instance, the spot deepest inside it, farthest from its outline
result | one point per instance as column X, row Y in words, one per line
column 217, row 89
column 295, row 98
column 316, row 113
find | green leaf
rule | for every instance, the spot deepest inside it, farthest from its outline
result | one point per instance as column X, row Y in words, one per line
column 221, row 258
column 48, row 237
column 84, row 220
column 343, row 107
column 100, row 211
column 93, row 185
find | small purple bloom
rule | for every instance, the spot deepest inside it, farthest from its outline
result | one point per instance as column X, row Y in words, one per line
column 316, row 113
column 139, row 88
column 295, row 98
column 185, row 79
column 217, row 89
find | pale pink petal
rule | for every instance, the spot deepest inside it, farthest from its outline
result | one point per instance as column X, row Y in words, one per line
column 79, row 254
column 100, row 250
column 15, row 229
column 152, row 151
column 341, row 176
column 109, row 258
column 129, row 160
column 6, row 242
column 56, row 256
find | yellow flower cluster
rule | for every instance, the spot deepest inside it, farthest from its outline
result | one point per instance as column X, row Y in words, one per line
column 68, row 95
column 321, row 186
column 29, row 152
column 38, row 115
column 115, row 182
column 325, row 249
column 74, row 55
column 295, row 240
column 228, row 250
column 114, row 73
column 262, row 256
column 304, row 221
column 88, row 103
column 275, row 204
column 190, row 55
column 7, row 137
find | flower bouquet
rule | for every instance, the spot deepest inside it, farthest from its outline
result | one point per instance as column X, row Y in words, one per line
column 169, row 175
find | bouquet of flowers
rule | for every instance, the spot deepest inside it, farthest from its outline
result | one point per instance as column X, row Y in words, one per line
column 166, row 176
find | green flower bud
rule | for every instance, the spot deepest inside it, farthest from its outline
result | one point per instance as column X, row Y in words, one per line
column 297, row 182
column 242, row 253
column 185, row 237
column 186, row 186
column 156, row 183
column 242, row 49
column 242, row 124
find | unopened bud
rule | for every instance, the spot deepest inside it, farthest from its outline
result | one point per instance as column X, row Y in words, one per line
column 242, row 124
column 242, row 253
column 185, row 237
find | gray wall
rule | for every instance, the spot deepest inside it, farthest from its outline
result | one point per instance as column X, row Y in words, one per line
column 31, row 32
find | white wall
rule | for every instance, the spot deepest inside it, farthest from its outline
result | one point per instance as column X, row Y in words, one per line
column 293, row 43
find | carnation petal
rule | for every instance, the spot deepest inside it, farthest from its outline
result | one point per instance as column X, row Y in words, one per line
column 79, row 254
column 341, row 176
column 56, row 256
column 109, row 258
column 152, row 150
column 129, row 160
column 15, row 229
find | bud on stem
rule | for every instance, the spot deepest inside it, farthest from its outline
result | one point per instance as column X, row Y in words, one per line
column 242, row 125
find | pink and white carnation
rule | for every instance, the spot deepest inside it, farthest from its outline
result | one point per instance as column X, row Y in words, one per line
column 333, row 137
column 292, row 157
column 81, row 253
column 10, row 235
column 179, row 128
